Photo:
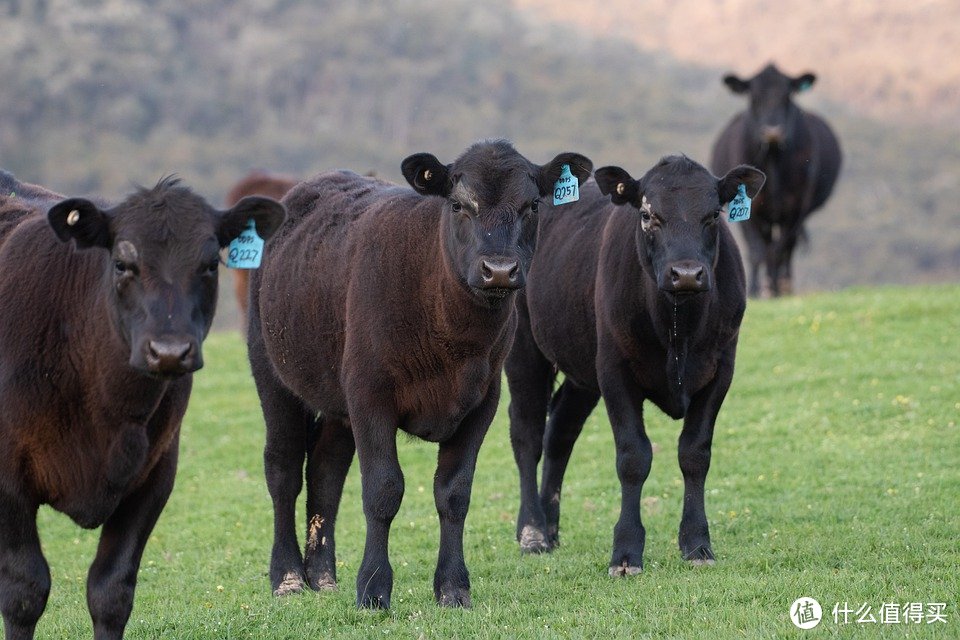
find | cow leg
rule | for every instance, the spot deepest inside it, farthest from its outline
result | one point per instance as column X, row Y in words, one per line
column 328, row 462
column 693, row 453
column 530, row 379
column 624, row 402
column 453, row 482
column 24, row 574
column 756, row 253
column 382, row 488
column 570, row 408
column 788, row 243
column 113, row 575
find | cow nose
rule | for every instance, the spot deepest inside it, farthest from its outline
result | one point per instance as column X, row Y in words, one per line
column 500, row 274
column 772, row 133
column 171, row 358
column 687, row 277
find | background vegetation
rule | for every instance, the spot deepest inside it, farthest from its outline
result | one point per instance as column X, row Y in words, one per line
column 98, row 94
column 835, row 475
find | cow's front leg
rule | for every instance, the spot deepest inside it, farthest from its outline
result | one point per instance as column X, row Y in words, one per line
column 382, row 488
column 452, row 485
column 693, row 453
column 624, row 402
column 113, row 575
column 24, row 574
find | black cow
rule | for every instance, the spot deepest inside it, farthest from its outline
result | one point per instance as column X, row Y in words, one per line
column 801, row 158
column 98, row 341
column 634, row 297
column 379, row 308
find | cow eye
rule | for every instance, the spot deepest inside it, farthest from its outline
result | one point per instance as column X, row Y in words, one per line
column 213, row 266
column 535, row 206
column 456, row 206
column 122, row 268
column 645, row 216
column 716, row 215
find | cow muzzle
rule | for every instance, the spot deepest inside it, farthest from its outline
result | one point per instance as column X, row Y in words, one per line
column 685, row 277
column 772, row 134
column 171, row 357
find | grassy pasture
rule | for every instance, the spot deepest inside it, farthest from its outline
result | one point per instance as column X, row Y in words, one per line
column 836, row 475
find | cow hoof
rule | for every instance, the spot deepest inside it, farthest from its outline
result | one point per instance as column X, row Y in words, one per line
column 373, row 602
column 292, row 583
column 532, row 540
column 700, row 557
column 621, row 570
column 455, row 598
column 324, row 582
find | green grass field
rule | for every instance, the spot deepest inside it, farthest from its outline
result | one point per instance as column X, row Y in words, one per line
column 835, row 475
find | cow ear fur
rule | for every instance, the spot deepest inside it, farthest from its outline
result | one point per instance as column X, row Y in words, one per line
column 802, row 83
column 427, row 175
column 580, row 166
column 266, row 213
column 744, row 174
column 81, row 220
column 736, row 84
column 618, row 184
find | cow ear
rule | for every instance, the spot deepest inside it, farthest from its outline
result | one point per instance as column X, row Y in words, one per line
column 802, row 83
column 580, row 166
column 427, row 175
column 267, row 215
column 82, row 220
column 618, row 184
column 744, row 174
column 736, row 84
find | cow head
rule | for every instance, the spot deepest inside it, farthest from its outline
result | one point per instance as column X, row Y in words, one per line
column 164, row 256
column 679, row 206
column 772, row 115
column 492, row 196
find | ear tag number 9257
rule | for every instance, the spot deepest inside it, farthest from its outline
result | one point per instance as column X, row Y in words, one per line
column 567, row 187
column 246, row 250
column 739, row 207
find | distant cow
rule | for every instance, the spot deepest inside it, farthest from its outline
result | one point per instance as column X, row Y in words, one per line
column 98, row 340
column 801, row 158
column 379, row 308
column 636, row 297
column 255, row 183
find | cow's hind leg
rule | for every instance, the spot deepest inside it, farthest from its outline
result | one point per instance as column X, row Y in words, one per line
column 24, row 574
column 569, row 409
column 693, row 452
column 530, row 379
column 328, row 461
column 113, row 575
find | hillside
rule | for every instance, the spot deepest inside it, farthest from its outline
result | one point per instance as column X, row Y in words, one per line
column 101, row 94
column 894, row 59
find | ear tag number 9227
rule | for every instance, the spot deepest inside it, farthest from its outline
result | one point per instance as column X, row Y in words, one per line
column 739, row 207
column 246, row 250
column 567, row 187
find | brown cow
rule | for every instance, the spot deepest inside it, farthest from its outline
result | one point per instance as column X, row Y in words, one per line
column 255, row 183
column 104, row 312
column 379, row 308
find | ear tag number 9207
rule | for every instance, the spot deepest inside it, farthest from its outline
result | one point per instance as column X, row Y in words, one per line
column 567, row 187
column 739, row 207
column 246, row 250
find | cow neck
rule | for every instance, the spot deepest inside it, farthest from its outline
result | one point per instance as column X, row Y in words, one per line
column 683, row 320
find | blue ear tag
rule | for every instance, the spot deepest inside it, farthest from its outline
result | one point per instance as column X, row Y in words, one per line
column 246, row 249
column 739, row 208
column 567, row 188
